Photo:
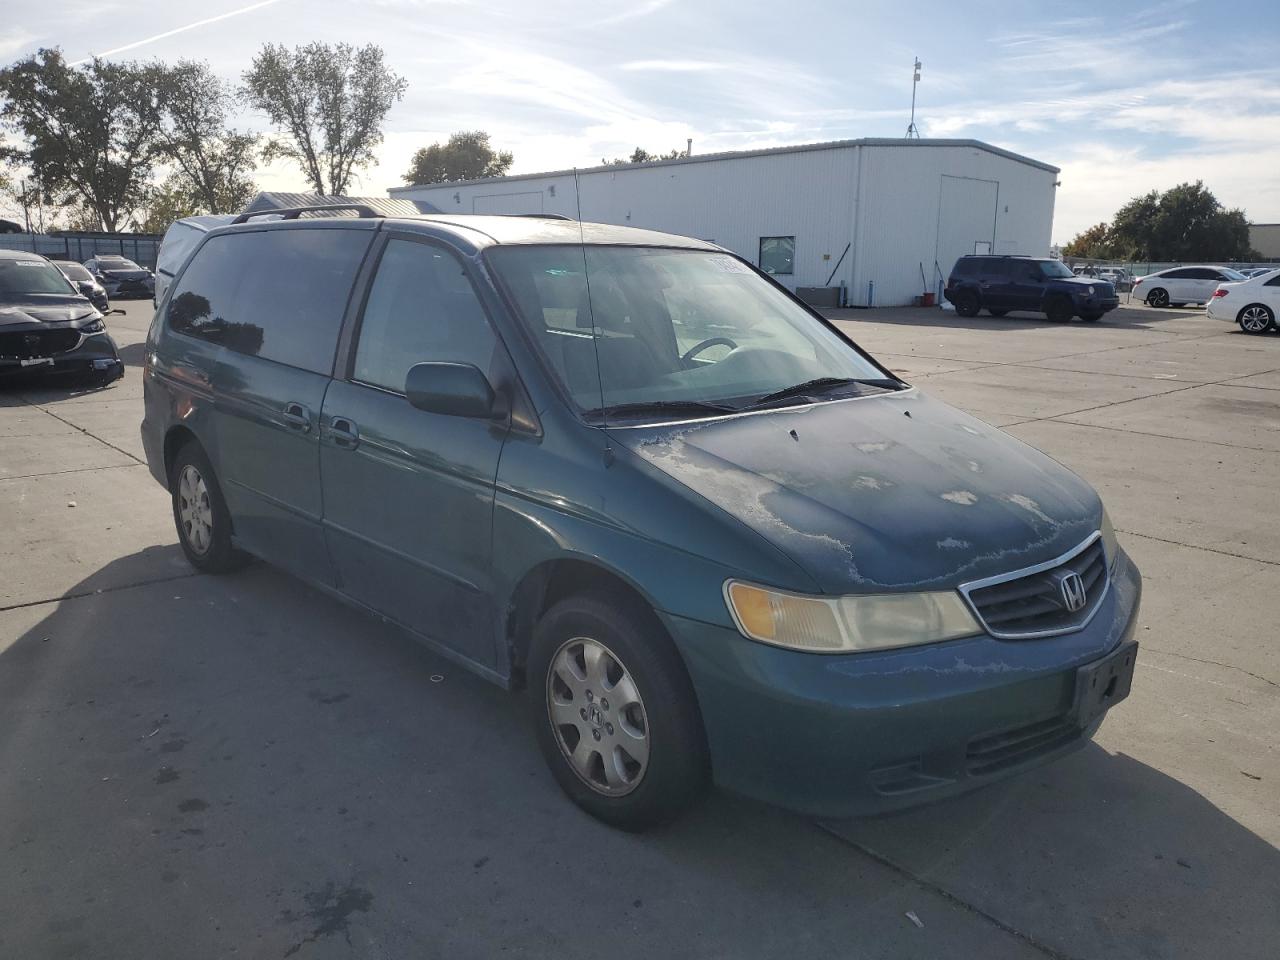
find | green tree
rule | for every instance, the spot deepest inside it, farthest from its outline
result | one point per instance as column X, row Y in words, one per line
column 1092, row 243
column 213, row 161
column 169, row 201
column 641, row 155
column 465, row 156
column 91, row 131
column 1184, row 223
column 328, row 102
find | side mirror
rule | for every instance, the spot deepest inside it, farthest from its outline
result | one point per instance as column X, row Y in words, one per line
column 454, row 389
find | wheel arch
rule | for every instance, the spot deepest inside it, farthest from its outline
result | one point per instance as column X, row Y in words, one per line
column 554, row 579
column 178, row 437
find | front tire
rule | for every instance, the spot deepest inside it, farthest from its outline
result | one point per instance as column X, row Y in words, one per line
column 1059, row 310
column 200, row 513
column 1159, row 297
column 1257, row 318
column 615, row 712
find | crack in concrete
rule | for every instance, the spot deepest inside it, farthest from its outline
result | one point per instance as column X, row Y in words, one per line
column 938, row 890
column 59, row 473
column 86, row 431
column 1215, row 663
column 99, row 590
column 1196, row 546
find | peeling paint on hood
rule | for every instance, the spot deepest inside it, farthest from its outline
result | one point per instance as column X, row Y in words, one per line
column 866, row 499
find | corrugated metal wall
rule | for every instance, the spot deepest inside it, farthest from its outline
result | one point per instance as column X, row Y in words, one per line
column 812, row 195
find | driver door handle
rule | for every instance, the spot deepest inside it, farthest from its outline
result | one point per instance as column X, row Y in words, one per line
column 297, row 417
column 344, row 432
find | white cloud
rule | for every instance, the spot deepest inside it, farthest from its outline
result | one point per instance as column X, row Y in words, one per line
column 632, row 11
column 673, row 66
column 183, row 29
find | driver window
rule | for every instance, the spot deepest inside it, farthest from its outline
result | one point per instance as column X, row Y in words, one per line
column 421, row 307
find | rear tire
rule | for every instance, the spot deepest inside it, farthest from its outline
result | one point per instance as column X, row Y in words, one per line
column 967, row 305
column 615, row 713
column 200, row 513
column 1256, row 318
column 1059, row 310
column 1159, row 297
column 997, row 313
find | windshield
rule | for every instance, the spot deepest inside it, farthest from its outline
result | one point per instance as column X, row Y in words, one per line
column 1235, row 275
column 1055, row 268
column 25, row 277
column 74, row 271
column 116, row 264
column 667, row 327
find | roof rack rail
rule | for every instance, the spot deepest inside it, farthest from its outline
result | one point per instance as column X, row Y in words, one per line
column 292, row 213
column 543, row 216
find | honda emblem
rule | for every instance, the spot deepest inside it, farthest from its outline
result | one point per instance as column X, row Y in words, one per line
column 1071, row 587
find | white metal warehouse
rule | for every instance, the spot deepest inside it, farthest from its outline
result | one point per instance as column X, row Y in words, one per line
column 866, row 216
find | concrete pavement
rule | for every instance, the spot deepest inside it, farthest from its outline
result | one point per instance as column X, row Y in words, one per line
column 202, row 767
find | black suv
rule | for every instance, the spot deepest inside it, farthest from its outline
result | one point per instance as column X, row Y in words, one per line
column 1001, row 284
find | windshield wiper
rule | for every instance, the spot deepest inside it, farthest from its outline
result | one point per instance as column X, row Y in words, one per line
column 819, row 386
column 661, row 407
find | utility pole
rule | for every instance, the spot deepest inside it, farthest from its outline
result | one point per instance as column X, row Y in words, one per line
column 912, row 132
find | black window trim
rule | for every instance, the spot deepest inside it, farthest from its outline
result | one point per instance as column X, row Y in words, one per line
column 760, row 254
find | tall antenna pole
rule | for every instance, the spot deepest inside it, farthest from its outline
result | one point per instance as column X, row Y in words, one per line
column 912, row 132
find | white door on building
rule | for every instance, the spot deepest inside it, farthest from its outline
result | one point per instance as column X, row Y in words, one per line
column 966, row 219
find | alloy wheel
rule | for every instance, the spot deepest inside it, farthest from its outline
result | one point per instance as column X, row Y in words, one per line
column 598, row 717
column 1255, row 319
column 195, row 509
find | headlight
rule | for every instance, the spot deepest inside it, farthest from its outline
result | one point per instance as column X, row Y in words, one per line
column 1091, row 291
column 96, row 326
column 847, row 624
column 1109, row 542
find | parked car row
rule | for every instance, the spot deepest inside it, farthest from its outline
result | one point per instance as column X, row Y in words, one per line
column 50, row 325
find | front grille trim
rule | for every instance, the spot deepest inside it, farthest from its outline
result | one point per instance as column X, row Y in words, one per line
column 1087, row 614
column 9, row 340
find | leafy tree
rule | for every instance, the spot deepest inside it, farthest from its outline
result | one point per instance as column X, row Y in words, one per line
column 328, row 101
column 212, row 161
column 466, row 156
column 1092, row 243
column 1184, row 223
column 91, row 132
column 641, row 155
column 171, row 200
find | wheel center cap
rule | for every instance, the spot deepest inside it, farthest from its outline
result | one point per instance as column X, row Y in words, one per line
column 594, row 716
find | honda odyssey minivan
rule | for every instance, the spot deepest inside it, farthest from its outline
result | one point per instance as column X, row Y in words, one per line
column 711, row 537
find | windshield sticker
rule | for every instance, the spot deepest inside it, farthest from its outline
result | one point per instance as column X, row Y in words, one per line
column 31, row 263
column 730, row 265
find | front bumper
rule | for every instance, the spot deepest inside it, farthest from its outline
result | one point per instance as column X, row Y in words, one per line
column 1099, row 304
column 122, row 289
column 868, row 733
column 95, row 354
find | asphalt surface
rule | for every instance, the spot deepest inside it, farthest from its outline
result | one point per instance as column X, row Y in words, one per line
column 204, row 767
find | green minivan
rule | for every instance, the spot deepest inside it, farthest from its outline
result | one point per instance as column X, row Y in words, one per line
column 712, row 538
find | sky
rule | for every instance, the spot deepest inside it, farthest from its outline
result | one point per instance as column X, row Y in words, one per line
column 1124, row 97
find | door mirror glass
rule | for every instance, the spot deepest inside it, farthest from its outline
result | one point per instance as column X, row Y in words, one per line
column 453, row 389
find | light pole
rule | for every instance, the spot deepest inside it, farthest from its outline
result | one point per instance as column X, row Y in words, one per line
column 912, row 132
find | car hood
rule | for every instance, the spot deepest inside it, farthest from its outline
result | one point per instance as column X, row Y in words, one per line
column 49, row 309
column 892, row 492
column 1083, row 281
column 126, row 274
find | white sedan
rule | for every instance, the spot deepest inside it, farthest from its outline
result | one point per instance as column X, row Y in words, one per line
column 1183, row 285
column 1252, row 303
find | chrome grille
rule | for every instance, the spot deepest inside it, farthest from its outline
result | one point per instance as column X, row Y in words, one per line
column 1045, row 600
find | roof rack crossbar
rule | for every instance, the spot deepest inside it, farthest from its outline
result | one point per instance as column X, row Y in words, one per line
column 292, row 213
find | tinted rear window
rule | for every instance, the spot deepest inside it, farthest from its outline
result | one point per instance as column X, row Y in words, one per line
column 966, row 267
column 277, row 294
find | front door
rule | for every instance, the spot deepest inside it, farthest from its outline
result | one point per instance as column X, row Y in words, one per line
column 408, row 495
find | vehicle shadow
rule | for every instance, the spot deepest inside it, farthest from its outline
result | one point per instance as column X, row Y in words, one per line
column 243, row 763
